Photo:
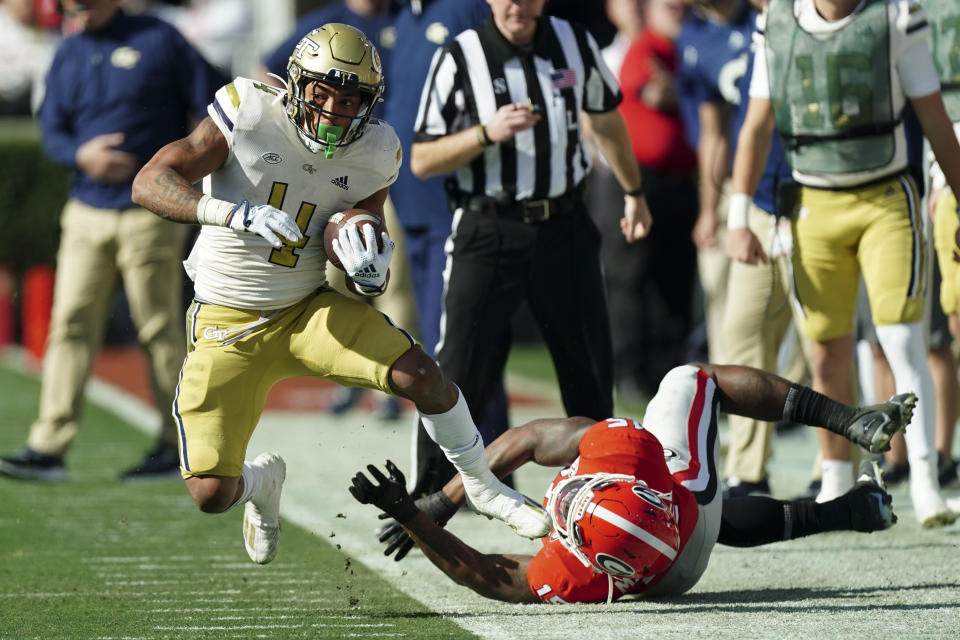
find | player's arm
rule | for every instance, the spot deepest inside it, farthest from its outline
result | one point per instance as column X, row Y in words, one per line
column 610, row 133
column 165, row 184
column 496, row 576
column 938, row 129
column 713, row 147
column 374, row 202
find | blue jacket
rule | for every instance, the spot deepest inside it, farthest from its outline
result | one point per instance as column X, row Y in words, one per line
column 421, row 204
column 137, row 76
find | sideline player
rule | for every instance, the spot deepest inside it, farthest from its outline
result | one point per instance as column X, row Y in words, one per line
column 833, row 77
column 637, row 508
column 262, row 310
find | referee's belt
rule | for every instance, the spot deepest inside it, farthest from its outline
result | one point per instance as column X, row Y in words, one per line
column 528, row 211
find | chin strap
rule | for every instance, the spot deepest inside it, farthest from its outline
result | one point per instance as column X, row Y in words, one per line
column 609, row 588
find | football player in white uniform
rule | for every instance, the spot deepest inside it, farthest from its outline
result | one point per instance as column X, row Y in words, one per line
column 275, row 166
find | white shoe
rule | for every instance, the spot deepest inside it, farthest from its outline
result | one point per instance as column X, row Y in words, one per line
column 524, row 516
column 261, row 515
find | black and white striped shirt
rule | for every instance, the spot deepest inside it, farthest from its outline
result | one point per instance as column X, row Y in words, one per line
column 480, row 71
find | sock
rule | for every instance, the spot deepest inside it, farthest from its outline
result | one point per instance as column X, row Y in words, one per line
column 806, row 406
column 837, row 479
column 458, row 438
column 904, row 347
column 252, row 481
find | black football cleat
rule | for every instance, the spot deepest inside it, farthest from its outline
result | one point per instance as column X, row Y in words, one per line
column 872, row 427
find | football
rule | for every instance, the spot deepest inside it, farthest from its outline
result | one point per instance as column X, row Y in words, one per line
column 357, row 217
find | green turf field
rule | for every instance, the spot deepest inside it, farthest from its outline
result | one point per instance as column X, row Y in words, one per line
column 96, row 558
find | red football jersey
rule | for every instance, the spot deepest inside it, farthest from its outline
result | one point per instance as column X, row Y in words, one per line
column 618, row 446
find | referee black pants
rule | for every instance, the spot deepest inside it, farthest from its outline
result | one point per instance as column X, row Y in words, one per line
column 494, row 263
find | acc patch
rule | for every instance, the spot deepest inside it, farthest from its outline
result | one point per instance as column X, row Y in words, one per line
column 272, row 158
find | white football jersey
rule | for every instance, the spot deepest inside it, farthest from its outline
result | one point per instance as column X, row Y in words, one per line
column 268, row 164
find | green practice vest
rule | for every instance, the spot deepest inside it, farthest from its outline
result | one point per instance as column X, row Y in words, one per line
column 944, row 18
column 831, row 94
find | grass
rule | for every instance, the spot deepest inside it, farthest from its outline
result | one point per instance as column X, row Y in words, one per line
column 96, row 558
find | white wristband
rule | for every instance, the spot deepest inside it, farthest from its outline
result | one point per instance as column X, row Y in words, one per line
column 737, row 209
column 214, row 211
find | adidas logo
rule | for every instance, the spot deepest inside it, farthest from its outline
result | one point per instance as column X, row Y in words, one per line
column 340, row 182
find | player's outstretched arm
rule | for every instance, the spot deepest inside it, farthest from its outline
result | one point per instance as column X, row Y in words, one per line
column 165, row 184
column 496, row 576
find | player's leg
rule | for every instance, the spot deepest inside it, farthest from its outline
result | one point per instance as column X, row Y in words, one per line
column 85, row 281
column 893, row 254
column 750, row 521
column 385, row 357
column 827, row 276
column 564, row 287
column 683, row 417
column 234, row 357
column 754, row 328
column 150, row 251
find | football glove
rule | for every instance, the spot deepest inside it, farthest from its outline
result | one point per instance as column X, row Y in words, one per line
column 436, row 505
column 266, row 221
column 361, row 260
column 389, row 494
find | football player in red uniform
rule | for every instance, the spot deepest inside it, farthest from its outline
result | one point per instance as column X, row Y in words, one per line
column 637, row 508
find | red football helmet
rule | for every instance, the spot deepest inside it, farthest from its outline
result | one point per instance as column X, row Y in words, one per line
column 615, row 524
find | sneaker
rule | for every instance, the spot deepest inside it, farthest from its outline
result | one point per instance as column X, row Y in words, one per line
column 161, row 463
column 28, row 464
column 947, row 472
column 525, row 517
column 872, row 427
column 261, row 515
column 871, row 506
column 737, row 488
column 894, row 474
column 345, row 399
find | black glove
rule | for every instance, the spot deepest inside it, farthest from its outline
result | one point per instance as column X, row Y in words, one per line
column 436, row 505
column 390, row 494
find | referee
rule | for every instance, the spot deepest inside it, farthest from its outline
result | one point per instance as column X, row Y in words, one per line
column 503, row 107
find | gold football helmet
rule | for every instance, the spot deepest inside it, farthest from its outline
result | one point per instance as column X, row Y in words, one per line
column 337, row 55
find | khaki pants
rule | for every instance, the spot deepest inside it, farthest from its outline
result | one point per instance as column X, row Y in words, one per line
column 713, row 268
column 755, row 324
column 98, row 246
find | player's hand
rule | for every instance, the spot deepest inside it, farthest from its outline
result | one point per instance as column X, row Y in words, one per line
column 436, row 505
column 705, row 230
column 99, row 159
column 743, row 246
column 266, row 221
column 389, row 494
column 511, row 119
column 636, row 220
column 362, row 261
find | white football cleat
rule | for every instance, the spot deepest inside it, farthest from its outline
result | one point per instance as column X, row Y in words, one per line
column 525, row 517
column 261, row 519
